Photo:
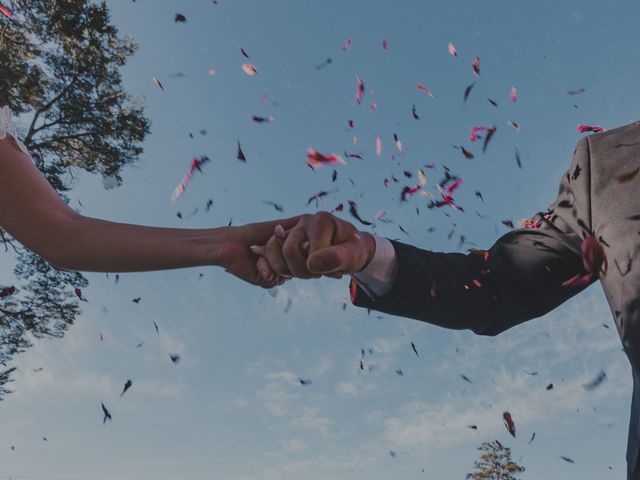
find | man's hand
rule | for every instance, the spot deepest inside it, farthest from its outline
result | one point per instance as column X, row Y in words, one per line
column 319, row 244
column 235, row 256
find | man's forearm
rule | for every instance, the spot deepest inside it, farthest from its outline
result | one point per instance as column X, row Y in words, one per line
column 87, row 244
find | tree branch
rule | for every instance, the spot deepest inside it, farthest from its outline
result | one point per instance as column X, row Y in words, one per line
column 46, row 107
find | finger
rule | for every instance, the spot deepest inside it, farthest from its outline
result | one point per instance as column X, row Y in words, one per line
column 257, row 250
column 293, row 255
column 273, row 255
column 320, row 230
column 343, row 257
column 279, row 232
column 264, row 270
column 259, row 233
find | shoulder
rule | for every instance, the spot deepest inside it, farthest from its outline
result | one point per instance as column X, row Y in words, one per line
column 620, row 137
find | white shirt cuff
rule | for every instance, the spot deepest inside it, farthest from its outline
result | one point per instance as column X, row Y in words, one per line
column 378, row 277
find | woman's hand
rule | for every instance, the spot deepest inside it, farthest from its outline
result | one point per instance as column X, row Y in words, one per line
column 233, row 252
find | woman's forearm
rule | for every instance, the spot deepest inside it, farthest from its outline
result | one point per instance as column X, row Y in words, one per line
column 87, row 244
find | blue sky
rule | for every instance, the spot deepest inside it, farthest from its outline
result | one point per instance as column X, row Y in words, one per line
column 233, row 407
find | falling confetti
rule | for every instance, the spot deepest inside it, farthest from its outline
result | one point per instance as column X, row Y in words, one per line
column 476, row 66
column 316, row 159
column 473, row 134
column 508, row 423
column 490, row 132
column 467, row 91
column 359, row 90
column 590, row 128
column 240, row 154
column 127, row 386
column 378, row 215
column 515, row 125
column 596, row 382
column 452, row 49
column 467, row 154
column 275, row 205
column 249, row 69
column 158, row 83
column 258, row 119
column 354, row 213
column 106, row 413
column 514, row 94
column 318, row 196
column 424, row 89
column 324, row 64
column 398, row 142
column 196, row 164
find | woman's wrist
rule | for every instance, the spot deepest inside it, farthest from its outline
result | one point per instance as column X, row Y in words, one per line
column 217, row 241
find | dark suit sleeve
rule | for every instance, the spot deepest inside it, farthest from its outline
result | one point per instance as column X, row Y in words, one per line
column 521, row 279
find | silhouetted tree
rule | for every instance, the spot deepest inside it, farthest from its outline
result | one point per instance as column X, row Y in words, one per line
column 495, row 463
column 60, row 64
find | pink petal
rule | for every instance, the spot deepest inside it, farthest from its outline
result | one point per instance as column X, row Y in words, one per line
column 476, row 66
column 590, row 128
column 360, row 90
column 316, row 159
column 424, row 89
column 249, row 69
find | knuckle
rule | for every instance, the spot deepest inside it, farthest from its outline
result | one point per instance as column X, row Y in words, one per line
column 323, row 217
column 304, row 219
column 290, row 250
column 280, row 268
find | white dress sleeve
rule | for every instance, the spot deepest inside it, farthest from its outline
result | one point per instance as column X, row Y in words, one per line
column 7, row 128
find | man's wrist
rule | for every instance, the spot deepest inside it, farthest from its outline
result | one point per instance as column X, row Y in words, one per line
column 370, row 247
column 378, row 276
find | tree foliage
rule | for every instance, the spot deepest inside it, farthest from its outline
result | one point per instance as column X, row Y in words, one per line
column 61, row 64
column 495, row 463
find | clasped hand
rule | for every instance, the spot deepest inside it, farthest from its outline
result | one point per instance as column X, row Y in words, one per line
column 318, row 245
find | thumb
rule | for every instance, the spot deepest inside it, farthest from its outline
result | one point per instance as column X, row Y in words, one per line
column 335, row 258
